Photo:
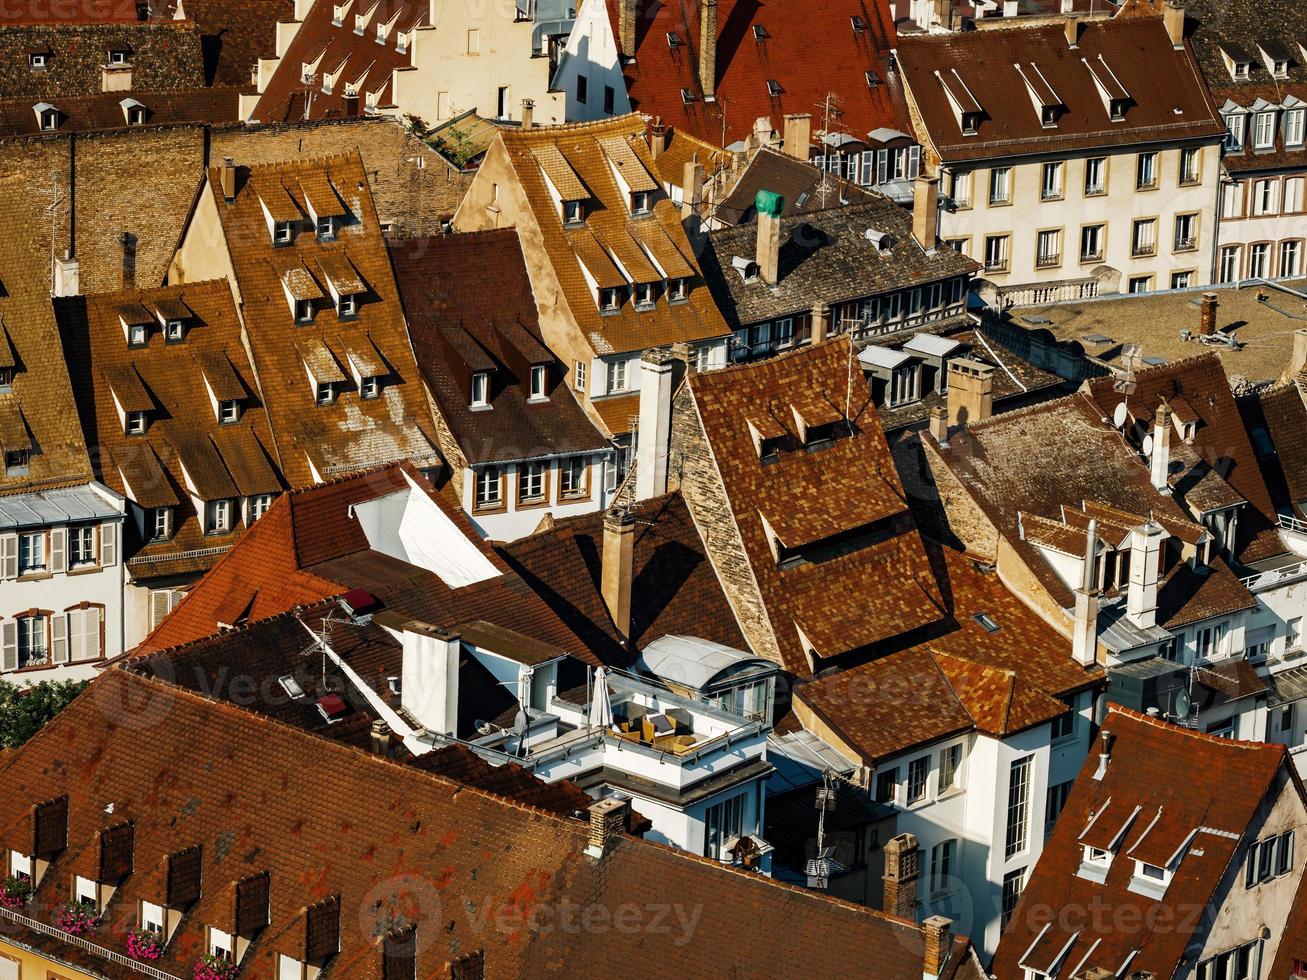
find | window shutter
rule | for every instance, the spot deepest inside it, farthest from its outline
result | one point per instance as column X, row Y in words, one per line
column 59, row 629
column 868, row 166
column 914, row 162
column 8, row 557
column 160, row 605
column 9, row 645
column 882, row 165
column 108, row 545
column 59, row 549
column 92, row 639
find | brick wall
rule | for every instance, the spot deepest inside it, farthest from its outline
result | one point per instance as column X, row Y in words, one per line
column 694, row 471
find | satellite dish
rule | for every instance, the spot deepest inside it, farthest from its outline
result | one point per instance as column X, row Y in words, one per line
column 519, row 723
column 1148, row 445
column 1183, row 704
column 1119, row 416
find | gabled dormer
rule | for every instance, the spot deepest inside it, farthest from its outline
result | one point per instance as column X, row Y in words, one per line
column 368, row 369
column 326, row 210
column 1116, row 99
column 1048, row 104
column 302, row 292
column 344, row 283
column 226, row 392
column 569, row 193
column 324, row 374
column 132, row 400
column 1276, row 57
column 967, row 109
column 1237, row 61
column 47, row 117
column 280, row 212
column 175, row 317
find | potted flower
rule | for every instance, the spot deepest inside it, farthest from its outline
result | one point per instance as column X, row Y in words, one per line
column 142, row 944
column 14, row 892
column 210, row 967
column 77, row 919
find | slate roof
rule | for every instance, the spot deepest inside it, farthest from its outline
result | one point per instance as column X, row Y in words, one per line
column 1224, row 784
column 609, row 230
column 1157, row 79
column 352, row 58
column 1244, row 25
column 966, row 679
column 331, row 824
column 1221, row 442
column 1283, row 415
column 795, row 180
column 875, row 584
column 185, row 451
column 794, row 34
column 825, row 255
column 459, row 326
column 674, row 587
column 82, row 113
column 351, row 433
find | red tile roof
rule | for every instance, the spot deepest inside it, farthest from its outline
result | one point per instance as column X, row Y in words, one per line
column 867, row 578
column 1198, row 821
column 811, row 50
column 389, row 845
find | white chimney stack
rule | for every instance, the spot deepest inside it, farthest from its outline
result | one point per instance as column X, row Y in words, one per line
column 429, row 682
column 1160, row 463
column 1145, row 574
column 1084, row 640
column 658, row 377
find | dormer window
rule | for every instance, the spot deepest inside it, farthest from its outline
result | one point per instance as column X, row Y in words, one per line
column 1098, row 857
column 138, row 335
column 644, row 296
column 283, row 233
column 1241, row 69
column 538, row 375
column 774, row 89
column 304, row 311
column 687, row 96
column 20, row 866
column 760, row 33
column 324, row 393
column 481, row 389
column 610, row 300
column 217, row 517
column 175, row 331
column 369, row 388
column 17, row 462
column 326, row 228
column 86, row 893
column 971, row 123
column 6, row 378
column 152, row 918
column 118, row 57
column 136, row 423
column 219, row 944
column 38, row 61
column 49, row 117
column 641, row 202
column 348, row 306
column 859, row 25
column 573, row 212
column 229, row 411
column 678, row 290
column 1118, row 109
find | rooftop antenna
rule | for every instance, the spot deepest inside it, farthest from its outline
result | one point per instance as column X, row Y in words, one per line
column 830, row 110
column 55, row 203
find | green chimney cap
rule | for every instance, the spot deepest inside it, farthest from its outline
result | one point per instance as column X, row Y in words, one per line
column 769, row 203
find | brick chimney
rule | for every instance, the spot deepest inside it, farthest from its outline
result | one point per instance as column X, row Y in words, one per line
column 925, row 212
column 607, row 820
column 657, row 138
column 617, row 567
column 1160, row 463
column 769, row 208
column 528, row 113
column 1173, row 20
column 691, row 188
column 939, row 424
column 970, row 391
column 798, row 135
column 902, row 869
column 939, row 944
column 227, row 177
column 658, row 379
column 1145, row 572
column 708, row 49
column 1207, row 319
column 429, row 676
column 379, row 737
column 1084, row 636
column 626, row 27
column 820, row 322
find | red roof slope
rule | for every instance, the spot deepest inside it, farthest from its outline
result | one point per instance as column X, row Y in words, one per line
column 812, row 50
column 1197, row 822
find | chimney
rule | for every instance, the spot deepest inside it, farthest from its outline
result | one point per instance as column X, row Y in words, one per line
column 708, row 49
column 1105, row 756
column 657, row 138
column 1207, row 320
column 380, row 737
column 228, row 178
column 902, row 869
column 925, row 212
column 798, row 135
column 1173, row 20
column 939, row 424
column 1298, row 360
column 939, row 944
column 970, row 391
column 1084, row 637
column 1145, row 570
column 658, row 379
column 429, row 678
column 944, row 14
column 1072, row 28
column 691, row 188
column 67, row 275
column 1160, row 464
column 607, row 820
column 820, row 322
column 769, row 207
column 616, row 567
column 626, row 27
column 1011, row 8
column 528, row 113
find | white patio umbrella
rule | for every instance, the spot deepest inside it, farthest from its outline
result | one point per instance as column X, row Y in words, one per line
column 601, row 708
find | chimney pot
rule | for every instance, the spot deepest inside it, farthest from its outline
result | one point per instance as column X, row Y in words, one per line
column 1145, row 571
column 660, row 371
column 925, row 212
column 228, row 177
column 1072, row 28
column 616, row 567
column 798, row 135
column 691, row 188
column 939, row 944
column 1160, row 463
column 380, row 737
column 658, row 138
column 769, row 207
column 607, row 820
column 1207, row 323
column 820, row 322
column 528, row 113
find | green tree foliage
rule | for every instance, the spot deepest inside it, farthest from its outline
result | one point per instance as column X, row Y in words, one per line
column 23, row 712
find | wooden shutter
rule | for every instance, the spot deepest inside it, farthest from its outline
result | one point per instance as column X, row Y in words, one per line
column 50, row 828
column 184, row 875
column 252, row 904
column 9, row 645
column 116, row 857
column 161, row 604
column 59, row 549
column 914, row 161
column 882, row 165
column 59, row 638
column 8, row 556
column 322, row 930
column 92, row 633
column 108, row 545
column 399, row 955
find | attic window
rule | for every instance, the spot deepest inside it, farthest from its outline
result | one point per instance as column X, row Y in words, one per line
column 348, row 306
column 1280, row 69
column 291, row 686
column 137, row 335
column 282, row 233
column 481, row 389
column 37, row 61
column 1049, row 114
column 644, row 296
column 760, row 33
column 6, row 378
column 17, row 462
column 304, row 311
column 369, row 388
column 175, row 331
column 229, row 411
column 677, row 290
column 118, row 57
column 872, row 79
column 49, row 119
column 152, row 918
column 774, row 88
column 987, row 622
column 610, row 300
column 324, row 393
column 641, row 202
column 1240, row 69
column 674, row 40
column 687, row 96
column 538, row 375
column 1118, row 108
column 971, row 123
column 326, row 228
column 573, row 212
column 859, row 25
column 135, row 423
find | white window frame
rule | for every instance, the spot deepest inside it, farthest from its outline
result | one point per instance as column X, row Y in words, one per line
column 217, row 516
column 81, row 545
column 324, row 393
column 162, row 523
column 32, row 557
column 537, row 381
column 480, row 389
column 1264, row 130
column 1020, row 781
column 488, row 487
